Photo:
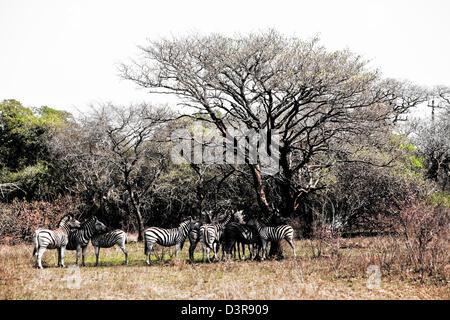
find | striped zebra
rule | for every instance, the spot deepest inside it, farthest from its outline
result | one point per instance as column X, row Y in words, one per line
column 109, row 239
column 194, row 238
column 239, row 234
column 79, row 239
column 194, row 233
column 210, row 237
column 274, row 234
column 54, row 239
column 166, row 237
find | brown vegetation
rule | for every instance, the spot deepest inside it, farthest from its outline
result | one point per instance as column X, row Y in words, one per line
column 341, row 274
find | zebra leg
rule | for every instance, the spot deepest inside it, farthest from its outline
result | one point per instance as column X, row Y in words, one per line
column 39, row 256
column 125, row 252
column 243, row 250
column 83, row 253
column 216, row 247
column 207, row 254
column 97, row 252
column 264, row 249
column 191, row 253
column 177, row 247
column 203, row 252
column 148, row 251
column 63, row 250
column 214, row 251
column 59, row 256
column 77, row 254
column 229, row 249
column 239, row 250
column 291, row 243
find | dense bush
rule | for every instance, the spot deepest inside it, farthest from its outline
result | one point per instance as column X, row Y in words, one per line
column 19, row 219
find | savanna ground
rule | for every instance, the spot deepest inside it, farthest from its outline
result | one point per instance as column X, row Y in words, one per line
column 342, row 274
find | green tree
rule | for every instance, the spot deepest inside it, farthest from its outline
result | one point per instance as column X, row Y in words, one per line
column 25, row 163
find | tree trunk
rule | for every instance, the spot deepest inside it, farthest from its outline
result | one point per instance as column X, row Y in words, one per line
column 289, row 196
column 140, row 224
column 258, row 185
column 137, row 212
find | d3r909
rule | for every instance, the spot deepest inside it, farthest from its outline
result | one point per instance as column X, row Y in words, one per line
column 246, row 309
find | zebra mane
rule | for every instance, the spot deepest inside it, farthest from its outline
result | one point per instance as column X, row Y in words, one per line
column 64, row 220
column 227, row 219
column 266, row 220
column 92, row 218
column 255, row 222
column 186, row 222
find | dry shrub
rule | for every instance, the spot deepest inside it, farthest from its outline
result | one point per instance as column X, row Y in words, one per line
column 324, row 240
column 424, row 230
column 19, row 219
column 384, row 252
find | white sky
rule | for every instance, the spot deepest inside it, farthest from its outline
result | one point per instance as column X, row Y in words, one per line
column 64, row 54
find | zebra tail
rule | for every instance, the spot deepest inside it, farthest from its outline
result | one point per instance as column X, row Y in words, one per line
column 209, row 245
column 36, row 243
column 145, row 245
column 126, row 238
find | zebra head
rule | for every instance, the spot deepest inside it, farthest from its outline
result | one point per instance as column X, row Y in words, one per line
column 254, row 223
column 69, row 222
column 98, row 225
column 194, row 225
column 206, row 216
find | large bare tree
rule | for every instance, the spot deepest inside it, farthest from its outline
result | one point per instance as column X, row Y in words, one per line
column 313, row 97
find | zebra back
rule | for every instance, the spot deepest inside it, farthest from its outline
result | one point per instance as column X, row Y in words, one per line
column 83, row 235
column 168, row 237
column 57, row 238
column 109, row 239
column 272, row 233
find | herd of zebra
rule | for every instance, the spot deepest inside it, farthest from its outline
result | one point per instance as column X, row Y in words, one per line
column 231, row 234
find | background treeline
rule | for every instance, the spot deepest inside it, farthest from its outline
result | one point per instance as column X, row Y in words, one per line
column 348, row 160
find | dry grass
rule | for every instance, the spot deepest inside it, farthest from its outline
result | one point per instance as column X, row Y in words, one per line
column 331, row 276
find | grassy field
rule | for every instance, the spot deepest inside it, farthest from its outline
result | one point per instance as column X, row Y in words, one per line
column 341, row 276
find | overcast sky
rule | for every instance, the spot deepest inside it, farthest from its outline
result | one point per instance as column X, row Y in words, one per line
column 64, row 54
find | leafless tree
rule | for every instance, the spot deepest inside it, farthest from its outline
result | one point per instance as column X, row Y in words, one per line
column 314, row 98
column 112, row 150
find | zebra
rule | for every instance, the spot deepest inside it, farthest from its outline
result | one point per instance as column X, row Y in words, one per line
column 109, row 239
column 54, row 239
column 277, row 233
column 210, row 237
column 79, row 239
column 166, row 237
column 194, row 233
column 239, row 234
column 194, row 238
